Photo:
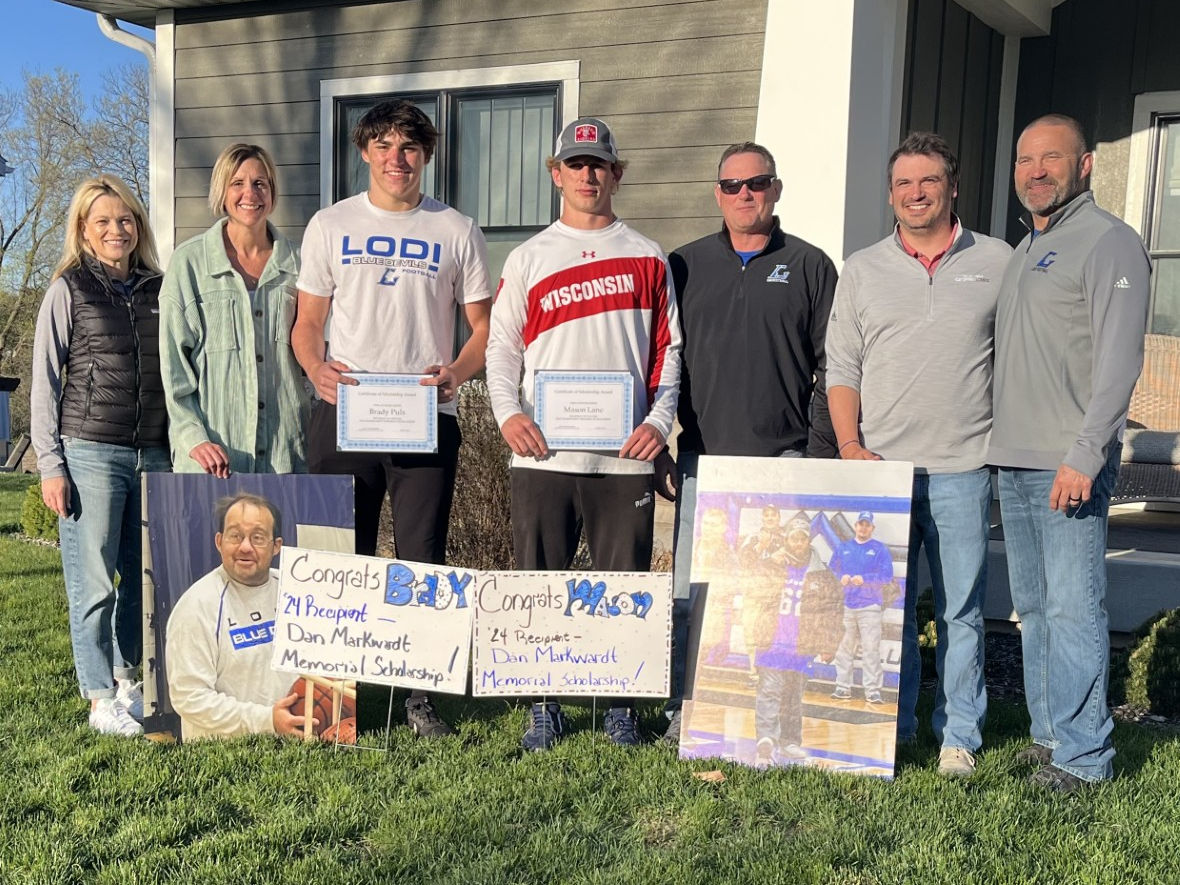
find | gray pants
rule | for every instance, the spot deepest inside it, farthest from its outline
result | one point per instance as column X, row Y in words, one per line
column 863, row 624
column 778, row 706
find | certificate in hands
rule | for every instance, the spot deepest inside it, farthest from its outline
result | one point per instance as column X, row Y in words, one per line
column 386, row 413
column 584, row 410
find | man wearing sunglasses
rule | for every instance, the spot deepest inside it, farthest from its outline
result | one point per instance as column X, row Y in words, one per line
column 754, row 304
column 910, row 346
column 590, row 294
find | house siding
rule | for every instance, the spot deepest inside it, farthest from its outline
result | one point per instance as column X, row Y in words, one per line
column 953, row 71
column 677, row 81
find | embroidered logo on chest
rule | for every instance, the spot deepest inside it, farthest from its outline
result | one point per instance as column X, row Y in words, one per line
column 780, row 274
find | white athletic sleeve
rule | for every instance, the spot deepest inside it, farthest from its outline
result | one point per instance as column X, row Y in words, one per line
column 664, row 360
column 505, row 353
column 315, row 268
column 472, row 283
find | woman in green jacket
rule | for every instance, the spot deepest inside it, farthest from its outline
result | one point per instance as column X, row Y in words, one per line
column 237, row 401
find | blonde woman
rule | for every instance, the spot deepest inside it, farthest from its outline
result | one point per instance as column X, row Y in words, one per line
column 236, row 397
column 98, row 423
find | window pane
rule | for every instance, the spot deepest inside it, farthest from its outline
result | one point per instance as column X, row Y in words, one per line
column 354, row 173
column 1166, row 230
column 1165, row 296
column 502, row 144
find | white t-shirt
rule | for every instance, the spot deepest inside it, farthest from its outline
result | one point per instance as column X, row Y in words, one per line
column 395, row 278
column 219, row 648
column 596, row 300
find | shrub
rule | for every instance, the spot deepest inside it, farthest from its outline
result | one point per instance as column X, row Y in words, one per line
column 37, row 520
column 1153, row 668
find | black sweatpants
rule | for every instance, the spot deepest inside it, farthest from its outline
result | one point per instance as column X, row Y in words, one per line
column 550, row 509
column 420, row 486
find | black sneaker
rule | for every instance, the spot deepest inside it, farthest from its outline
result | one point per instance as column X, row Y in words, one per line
column 671, row 735
column 546, row 726
column 1057, row 780
column 422, row 718
column 622, row 727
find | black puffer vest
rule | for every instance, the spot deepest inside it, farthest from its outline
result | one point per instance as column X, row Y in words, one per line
column 113, row 391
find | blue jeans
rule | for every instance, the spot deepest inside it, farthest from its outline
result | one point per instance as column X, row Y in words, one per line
column 949, row 517
column 682, row 595
column 1057, row 574
column 102, row 536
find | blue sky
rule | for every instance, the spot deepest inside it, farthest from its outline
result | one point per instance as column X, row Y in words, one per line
column 40, row 35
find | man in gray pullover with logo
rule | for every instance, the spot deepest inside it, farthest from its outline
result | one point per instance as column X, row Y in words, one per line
column 1069, row 347
column 910, row 346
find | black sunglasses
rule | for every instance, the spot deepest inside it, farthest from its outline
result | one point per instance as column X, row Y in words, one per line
column 757, row 184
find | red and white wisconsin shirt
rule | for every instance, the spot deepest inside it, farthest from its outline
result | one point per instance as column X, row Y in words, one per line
column 591, row 300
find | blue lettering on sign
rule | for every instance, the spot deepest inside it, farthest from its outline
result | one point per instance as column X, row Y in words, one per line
column 392, row 252
column 592, row 599
column 584, row 594
column 256, row 634
column 399, row 585
column 402, row 587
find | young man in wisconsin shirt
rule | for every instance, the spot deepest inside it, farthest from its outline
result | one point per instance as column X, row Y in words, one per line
column 586, row 293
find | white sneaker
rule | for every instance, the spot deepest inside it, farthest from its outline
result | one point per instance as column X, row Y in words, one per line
column 129, row 695
column 793, row 751
column 111, row 717
column 956, row 762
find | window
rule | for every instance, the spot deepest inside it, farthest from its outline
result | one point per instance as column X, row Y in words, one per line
column 1162, row 229
column 496, row 127
column 489, row 162
column 1153, row 201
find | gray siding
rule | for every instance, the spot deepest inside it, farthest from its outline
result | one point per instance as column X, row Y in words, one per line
column 952, row 86
column 678, row 81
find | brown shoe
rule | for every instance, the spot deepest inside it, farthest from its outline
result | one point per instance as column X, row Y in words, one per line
column 1035, row 754
column 1057, row 780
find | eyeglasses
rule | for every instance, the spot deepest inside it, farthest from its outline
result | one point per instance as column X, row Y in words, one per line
column 756, row 184
column 257, row 539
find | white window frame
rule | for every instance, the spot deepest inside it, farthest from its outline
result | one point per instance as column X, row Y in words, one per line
column 1148, row 107
column 567, row 73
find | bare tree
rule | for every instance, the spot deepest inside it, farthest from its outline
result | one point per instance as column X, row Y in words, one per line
column 53, row 141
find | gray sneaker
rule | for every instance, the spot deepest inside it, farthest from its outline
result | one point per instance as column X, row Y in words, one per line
column 842, row 694
column 671, row 735
column 956, row 762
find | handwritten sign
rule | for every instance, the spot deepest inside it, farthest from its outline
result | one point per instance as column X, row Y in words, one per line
column 567, row 633
column 374, row 620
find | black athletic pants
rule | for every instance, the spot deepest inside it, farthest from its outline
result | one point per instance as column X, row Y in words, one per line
column 549, row 510
column 420, row 486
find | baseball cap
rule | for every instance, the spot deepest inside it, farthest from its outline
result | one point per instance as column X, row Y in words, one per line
column 866, row 516
column 799, row 525
column 587, row 137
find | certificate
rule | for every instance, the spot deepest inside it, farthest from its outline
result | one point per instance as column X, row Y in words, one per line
column 584, row 410
column 386, row 413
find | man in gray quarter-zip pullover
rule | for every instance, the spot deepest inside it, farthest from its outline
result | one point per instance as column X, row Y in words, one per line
column 1069, row 347
column 910, row 345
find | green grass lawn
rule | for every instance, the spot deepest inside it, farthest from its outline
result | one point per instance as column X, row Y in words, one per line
column 77, row 807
